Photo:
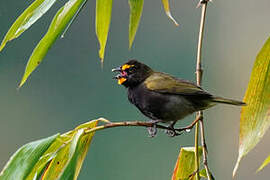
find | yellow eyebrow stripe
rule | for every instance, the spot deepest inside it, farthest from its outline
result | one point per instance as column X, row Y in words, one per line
column 126, row 66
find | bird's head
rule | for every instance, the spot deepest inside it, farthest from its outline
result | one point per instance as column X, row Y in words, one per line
column 132, row 73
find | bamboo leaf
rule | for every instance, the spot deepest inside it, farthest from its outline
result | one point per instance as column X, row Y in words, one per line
column 255, row 117
column 265, row 163
column 22, row 161
column 166, row 6
column 58, row 24
column 185, row 165
column 53, row 158
column 103, row 20
column 136, row 7
column 26, row 19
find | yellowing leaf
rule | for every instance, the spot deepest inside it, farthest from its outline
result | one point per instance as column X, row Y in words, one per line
column 58, row 24
column 136, row 7
column 103, row 20
column 26, row 19
column 168, row 12
column 265, row 163
column 255, row 117
column 53, row 158
column 185, row 165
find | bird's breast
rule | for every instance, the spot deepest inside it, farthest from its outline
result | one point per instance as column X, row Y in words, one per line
column 166, row 107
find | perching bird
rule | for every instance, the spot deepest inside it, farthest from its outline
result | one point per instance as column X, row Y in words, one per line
column 162, row 97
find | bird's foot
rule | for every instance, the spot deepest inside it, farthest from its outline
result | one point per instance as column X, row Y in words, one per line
column 172, row 132
column 152, row 131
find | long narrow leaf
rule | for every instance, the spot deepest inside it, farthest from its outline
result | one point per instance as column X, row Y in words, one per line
column 21, row 163
column 185, row 165
column 168, row 12
column 265, row 163
column 53, row 158
column 58, row 24
column 69, row 159
column 255, row 117
column 136, row 7
column 103, row 20
column 26, row 19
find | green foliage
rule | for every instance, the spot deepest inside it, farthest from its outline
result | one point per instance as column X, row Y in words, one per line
column 185, row 164
column 56, row 157
column 26, row 19
column 63, row 19
column 58, row 24
column 22, row 161
column 265, row 163
column 255, row 117
column 136, row 7
column 168, row 12
column 103, row 20
column 204, row 174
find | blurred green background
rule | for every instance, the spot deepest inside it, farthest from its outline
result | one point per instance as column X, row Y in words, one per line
column 70, row 88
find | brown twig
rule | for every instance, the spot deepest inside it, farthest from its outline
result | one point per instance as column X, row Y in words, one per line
column 109, row 124
column 189, row 126
column 199, row 72
column 127, row 123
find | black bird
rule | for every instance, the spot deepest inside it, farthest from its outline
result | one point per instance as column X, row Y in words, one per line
column 162, row 97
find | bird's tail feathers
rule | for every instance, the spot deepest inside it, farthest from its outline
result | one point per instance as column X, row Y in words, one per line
column 228, row 101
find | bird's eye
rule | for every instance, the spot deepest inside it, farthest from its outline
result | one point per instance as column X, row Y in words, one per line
column 132, row 69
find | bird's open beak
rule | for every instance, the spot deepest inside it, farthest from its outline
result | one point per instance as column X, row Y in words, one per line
column 118, row 69
column 120, row 76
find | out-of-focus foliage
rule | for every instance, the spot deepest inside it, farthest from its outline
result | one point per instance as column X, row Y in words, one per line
column 255, row 117
column 55, row 157
column 63, row 19
column 168, row 12
column 103, row 20
column 136, row 7
column 26, row 19
column 265, row 163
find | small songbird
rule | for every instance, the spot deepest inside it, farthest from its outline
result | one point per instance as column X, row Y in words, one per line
column 162, row 97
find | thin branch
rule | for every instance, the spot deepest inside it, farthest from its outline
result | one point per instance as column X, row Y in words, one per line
column 137, row 123
column 125, row 123
column 204, row 148
column 189, row 126
column 197, row 159
column 199, row 73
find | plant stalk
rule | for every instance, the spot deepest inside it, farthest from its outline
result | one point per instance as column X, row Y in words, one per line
column 199, row 73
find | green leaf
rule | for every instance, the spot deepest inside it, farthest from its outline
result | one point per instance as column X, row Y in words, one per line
column 58, row 24
column 265, row 163
column 69, row 159
column 168, row 12
column 185, row 165
column 103, row 20
column 255, row 117
column 53, row 158
column 204, row 174
column 22, row 161
column 136, row 7
column 26, row 19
